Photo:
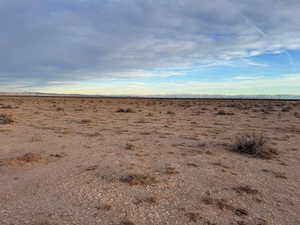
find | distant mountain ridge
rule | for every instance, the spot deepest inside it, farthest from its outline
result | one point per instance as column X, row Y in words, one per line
column 283, row 96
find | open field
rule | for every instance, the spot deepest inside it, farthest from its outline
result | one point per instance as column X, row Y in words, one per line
column 88, row 161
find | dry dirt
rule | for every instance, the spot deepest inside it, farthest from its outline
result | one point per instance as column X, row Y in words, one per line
column 117, row 161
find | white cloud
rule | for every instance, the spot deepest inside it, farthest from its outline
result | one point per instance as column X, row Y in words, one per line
column 62, row 40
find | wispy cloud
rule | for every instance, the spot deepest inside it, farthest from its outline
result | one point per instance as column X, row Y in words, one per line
column 236, row 85
column 47, row 42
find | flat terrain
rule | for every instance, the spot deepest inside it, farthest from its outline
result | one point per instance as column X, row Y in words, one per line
column 83, row 161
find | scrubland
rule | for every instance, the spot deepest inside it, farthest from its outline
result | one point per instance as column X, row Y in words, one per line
column 126, row 161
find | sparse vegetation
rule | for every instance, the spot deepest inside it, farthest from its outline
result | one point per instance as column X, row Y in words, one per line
column 129, row 146
column 224, row 204
column 280, row 175
column 286, row 109
column 254, row 145
column 44, row 222
column 127, row 222
column 5, row 119
column 6, row 107
column 85, row 121
column 170, row 113
column 170, row 171
column 30, row 157
column 104, row 207
column 116, row 168
column 138, row 179
column 193, row 216
column 128, row 110
column 223, row 113
column 245, row 189
column 149, row 200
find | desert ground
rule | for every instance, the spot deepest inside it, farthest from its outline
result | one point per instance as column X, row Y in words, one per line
column 126, row 161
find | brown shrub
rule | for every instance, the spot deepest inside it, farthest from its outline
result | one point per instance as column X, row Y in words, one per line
column 149, row 200
column 129, row 146
column 254, row 145
column 6, row 107
column 26, row 159
column 128, row 110
column 5, row 119
column 245, row 189
column 138, row 179
column 223, row 113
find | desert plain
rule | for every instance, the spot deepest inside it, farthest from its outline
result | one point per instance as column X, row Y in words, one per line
column 130, row 161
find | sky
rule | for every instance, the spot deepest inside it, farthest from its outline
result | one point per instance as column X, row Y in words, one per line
column 150, row 47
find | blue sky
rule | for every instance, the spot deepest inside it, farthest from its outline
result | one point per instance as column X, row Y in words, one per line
column 146, row 47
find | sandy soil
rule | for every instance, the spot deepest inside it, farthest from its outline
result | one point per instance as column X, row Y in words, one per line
column 79, row 161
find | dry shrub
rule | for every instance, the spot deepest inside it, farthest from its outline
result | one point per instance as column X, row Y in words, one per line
column 127, row 222
column 138, row 179
column 223, row 113
column 44, row 222
column 286, row 109
column 105, row 207
column 128, row 110
column 5, row 119
column 193, row 216
column 170, row 171
column 30, row 157
column 129, row 146
column 276, row 174
column 6, row 107
column 26, row 159
column 245, row 189
column 149, row 200
column 297, row 115
column 254, row 145
column 171, row 113
column 85, row 121
column 224, row 204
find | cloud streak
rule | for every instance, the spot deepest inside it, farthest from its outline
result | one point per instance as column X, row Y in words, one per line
column 237, row 85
